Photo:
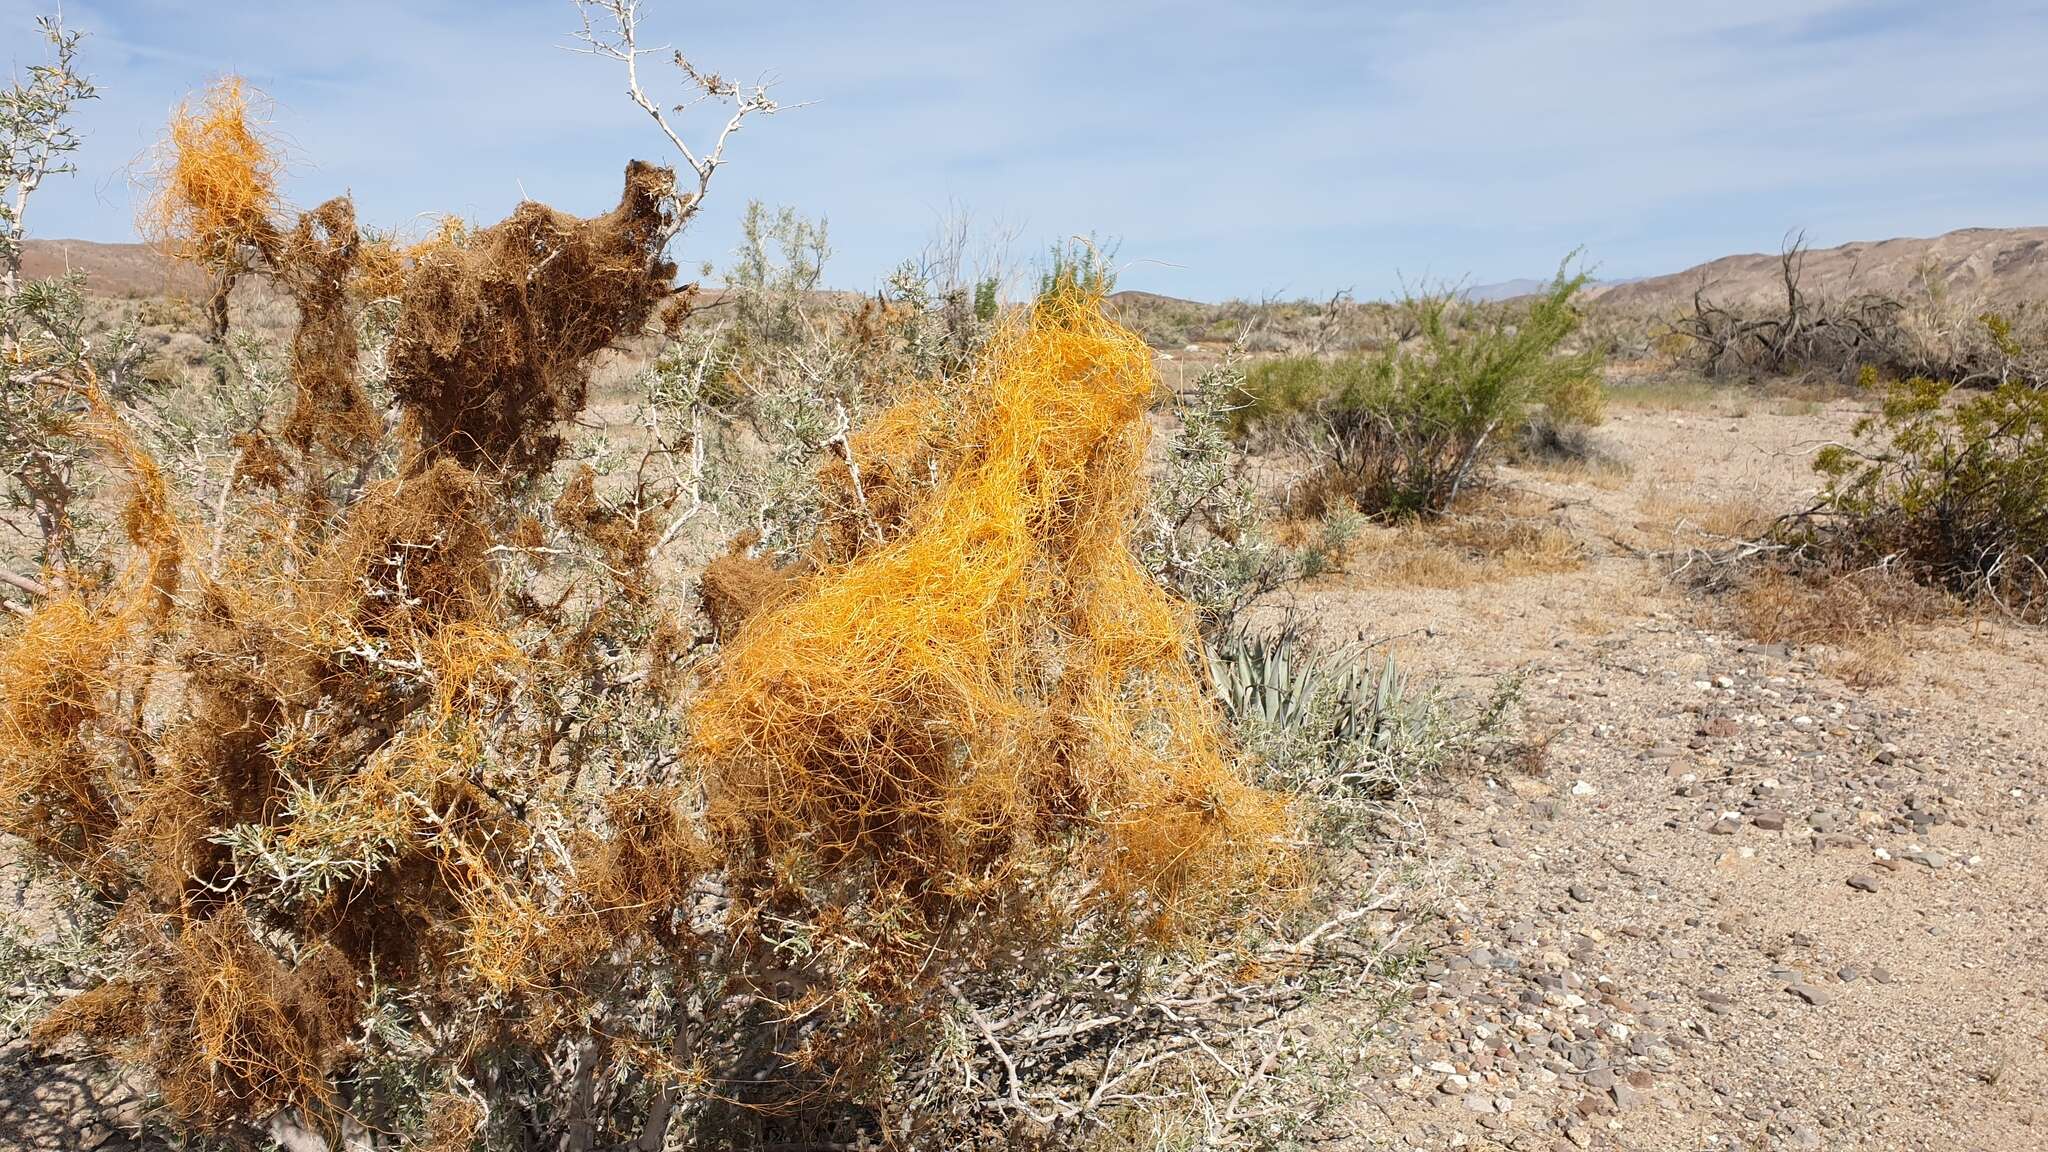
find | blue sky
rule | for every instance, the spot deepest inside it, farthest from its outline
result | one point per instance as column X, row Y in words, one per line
column 1289, row 147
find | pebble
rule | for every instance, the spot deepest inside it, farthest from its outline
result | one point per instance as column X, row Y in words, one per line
column 1828, row 820
column 1818, row 997
column 1524, row 1025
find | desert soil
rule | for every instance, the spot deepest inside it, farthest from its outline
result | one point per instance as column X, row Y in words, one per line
column 1737, row 903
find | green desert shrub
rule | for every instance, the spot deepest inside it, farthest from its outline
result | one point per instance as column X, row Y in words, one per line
column 1948, row 488
column 1403, row 432
column 1283, row 390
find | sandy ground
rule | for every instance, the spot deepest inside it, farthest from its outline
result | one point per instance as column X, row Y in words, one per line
column 1650, row 939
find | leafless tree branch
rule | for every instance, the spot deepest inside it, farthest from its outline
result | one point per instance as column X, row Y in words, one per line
column 611, row 28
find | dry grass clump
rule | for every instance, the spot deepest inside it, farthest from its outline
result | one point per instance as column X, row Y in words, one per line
column 1870, row 661
column 1663, row 391
column 1601, row 472
column 988, row 686
column 1779, row 607
column 1677, row 519
column 1863, row 616
column 1504, row 535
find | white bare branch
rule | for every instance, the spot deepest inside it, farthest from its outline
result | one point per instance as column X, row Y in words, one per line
column 610, row 29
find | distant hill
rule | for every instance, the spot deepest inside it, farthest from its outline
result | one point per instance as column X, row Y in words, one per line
column 1505, row 290
column 111, row 269
column 1512, row 289
column 1999, row 266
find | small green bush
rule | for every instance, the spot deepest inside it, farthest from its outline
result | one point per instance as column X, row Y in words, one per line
column 1291, row 386
column 1952, row 492
column 1401, row 433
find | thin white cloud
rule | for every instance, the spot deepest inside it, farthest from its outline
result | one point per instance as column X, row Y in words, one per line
column 1235, row 147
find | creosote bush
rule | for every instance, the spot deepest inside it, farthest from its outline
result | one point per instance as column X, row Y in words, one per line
column 1946, row 487
column 1402, row 433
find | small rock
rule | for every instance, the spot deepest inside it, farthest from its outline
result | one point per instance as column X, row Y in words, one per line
column 1580, row 893
column 1863, row 882
column 1732, row 861
column 1818, row 997
column 1479, row 1102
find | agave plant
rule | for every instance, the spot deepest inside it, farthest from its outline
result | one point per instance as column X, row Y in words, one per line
column 1358, row 716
